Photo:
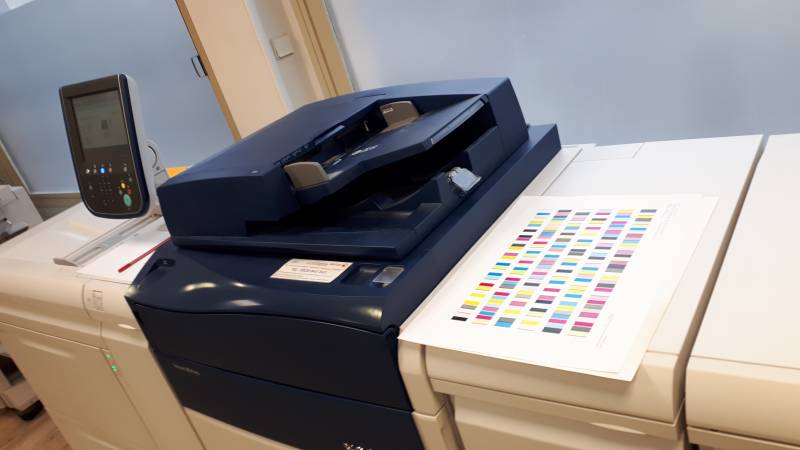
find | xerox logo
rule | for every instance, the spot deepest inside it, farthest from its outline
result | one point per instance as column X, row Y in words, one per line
column 186, row 369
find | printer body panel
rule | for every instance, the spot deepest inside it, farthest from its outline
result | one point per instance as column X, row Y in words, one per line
column 743, row 382
column 365, row 362
column 299, row 417
column 739, row 401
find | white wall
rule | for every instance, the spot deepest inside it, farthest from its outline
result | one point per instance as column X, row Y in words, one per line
column 609, row 71
column 272, row 19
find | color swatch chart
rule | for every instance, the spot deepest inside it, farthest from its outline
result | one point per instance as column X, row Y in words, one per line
column 575, row 283
column 559, row 273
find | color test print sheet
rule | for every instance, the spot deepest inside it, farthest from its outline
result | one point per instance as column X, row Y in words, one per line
column 575, row 283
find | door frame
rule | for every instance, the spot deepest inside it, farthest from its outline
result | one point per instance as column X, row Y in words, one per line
column 241, row 77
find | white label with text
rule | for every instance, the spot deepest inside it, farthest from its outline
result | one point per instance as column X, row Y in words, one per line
column 312, row 270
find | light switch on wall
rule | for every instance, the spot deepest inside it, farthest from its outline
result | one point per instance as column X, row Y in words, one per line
column 282, row 46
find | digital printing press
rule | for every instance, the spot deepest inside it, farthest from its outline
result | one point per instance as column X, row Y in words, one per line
column 299, row 254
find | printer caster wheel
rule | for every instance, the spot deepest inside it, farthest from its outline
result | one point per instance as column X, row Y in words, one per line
column 31, row 412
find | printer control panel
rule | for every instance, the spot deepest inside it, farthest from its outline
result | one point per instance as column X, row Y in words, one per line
column 109, row 187
column 105, row 147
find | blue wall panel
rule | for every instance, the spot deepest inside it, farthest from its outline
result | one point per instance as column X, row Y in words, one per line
column 611, row 71
column 49, row 43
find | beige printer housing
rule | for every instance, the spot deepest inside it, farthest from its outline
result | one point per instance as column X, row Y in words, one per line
column 743, row 379
column 509, row 405
column 79, row 346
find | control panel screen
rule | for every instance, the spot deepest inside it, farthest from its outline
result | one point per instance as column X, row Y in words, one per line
column 101, row 123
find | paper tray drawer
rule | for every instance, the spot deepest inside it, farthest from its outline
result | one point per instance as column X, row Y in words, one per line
column 296, row 417
column 489, row 425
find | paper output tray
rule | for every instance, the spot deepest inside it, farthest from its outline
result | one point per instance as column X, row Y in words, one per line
column 387, row 148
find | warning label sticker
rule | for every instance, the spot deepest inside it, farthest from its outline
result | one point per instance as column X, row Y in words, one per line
column 312, row 270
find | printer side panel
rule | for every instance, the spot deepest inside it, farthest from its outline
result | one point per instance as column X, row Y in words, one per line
column 508, row 116
column 223, row 205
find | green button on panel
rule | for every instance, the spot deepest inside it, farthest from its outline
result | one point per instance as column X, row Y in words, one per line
column 127, row 200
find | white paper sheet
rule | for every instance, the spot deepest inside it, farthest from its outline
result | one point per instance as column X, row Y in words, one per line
column 581, row 290
column 123, row 262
